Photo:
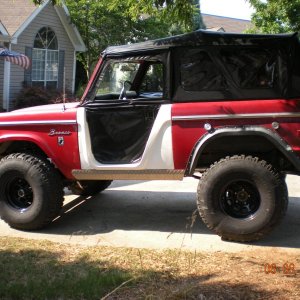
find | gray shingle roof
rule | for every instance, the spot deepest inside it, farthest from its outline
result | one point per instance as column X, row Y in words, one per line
column 13, row 13
column 229, row 24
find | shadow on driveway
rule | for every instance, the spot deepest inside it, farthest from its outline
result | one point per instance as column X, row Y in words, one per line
column 129, row 210
column 132, row 210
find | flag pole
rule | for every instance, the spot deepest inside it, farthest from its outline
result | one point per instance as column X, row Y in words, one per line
column 64, row 89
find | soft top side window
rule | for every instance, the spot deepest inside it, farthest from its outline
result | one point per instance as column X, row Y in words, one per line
column 197, row 76
column 199, row 72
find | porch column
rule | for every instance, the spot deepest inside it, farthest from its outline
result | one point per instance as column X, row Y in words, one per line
column 6, row 82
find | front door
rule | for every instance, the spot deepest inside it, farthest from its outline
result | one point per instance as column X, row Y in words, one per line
column 128, row 95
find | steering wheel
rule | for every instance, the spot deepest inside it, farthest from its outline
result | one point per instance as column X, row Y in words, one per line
column 123, row 90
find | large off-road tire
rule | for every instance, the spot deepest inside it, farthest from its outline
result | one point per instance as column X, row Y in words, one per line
column 242, row 198
column 31, row 191
column 89, row 187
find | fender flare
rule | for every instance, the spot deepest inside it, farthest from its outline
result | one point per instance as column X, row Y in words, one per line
column 214, row 134
column 43, row 146
column 36, row 140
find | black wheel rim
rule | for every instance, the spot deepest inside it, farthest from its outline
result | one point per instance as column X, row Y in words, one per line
column 19, row 194
column 240, row 199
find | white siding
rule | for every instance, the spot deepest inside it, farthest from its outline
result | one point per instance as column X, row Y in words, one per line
column 47, row 17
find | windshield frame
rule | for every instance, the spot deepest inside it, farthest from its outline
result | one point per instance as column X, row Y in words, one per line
column 162, row 57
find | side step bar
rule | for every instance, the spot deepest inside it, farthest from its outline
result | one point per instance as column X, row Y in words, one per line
column 128, row 174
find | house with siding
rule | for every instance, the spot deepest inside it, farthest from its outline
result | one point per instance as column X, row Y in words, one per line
column 46, row 35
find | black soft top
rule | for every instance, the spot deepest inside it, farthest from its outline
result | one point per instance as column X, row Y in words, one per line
column 203, row 37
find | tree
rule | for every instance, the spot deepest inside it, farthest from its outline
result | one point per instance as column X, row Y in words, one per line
column 101, row 26
column 102, row 23
column 180, row 10
column 197, row 17
column 276, row 16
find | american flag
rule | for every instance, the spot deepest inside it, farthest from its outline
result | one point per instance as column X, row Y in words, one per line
column 15, row 58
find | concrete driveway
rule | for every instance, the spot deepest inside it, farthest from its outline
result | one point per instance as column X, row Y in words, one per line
column 153, row 214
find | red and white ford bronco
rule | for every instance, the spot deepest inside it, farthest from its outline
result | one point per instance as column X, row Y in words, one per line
column 223, row 108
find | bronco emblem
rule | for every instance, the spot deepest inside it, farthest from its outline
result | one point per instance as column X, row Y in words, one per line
column 54, row 132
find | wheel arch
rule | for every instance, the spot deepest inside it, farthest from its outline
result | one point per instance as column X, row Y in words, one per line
column 236, row 136
column 8, row 146
column 26, row 145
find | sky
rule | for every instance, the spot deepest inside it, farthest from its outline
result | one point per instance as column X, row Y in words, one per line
column 239, row 9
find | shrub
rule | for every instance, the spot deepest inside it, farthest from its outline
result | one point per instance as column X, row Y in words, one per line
column 33, row 96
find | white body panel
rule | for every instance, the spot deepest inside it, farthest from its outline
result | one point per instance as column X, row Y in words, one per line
column 158, row 153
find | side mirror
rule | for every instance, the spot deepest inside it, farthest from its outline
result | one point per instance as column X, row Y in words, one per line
column 126, row 85
column 130, row 94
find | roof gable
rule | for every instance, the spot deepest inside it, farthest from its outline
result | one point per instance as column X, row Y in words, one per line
column 71, row 29
column 3, row 30
column 4, row 37
column 20, row 13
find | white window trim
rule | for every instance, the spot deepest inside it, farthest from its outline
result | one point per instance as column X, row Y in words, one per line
column 45, row 64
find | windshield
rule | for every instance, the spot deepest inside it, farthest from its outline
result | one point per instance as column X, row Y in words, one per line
column 131, row 78
column 114, row 75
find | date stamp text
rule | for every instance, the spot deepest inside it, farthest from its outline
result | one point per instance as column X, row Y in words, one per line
column 286, row 268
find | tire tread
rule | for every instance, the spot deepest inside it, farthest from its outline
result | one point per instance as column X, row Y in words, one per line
column 52, row 183
column 280, row 213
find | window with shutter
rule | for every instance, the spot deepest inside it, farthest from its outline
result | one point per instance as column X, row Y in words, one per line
column 45, row 59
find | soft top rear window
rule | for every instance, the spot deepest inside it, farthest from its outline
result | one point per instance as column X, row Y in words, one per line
column 255, row 68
